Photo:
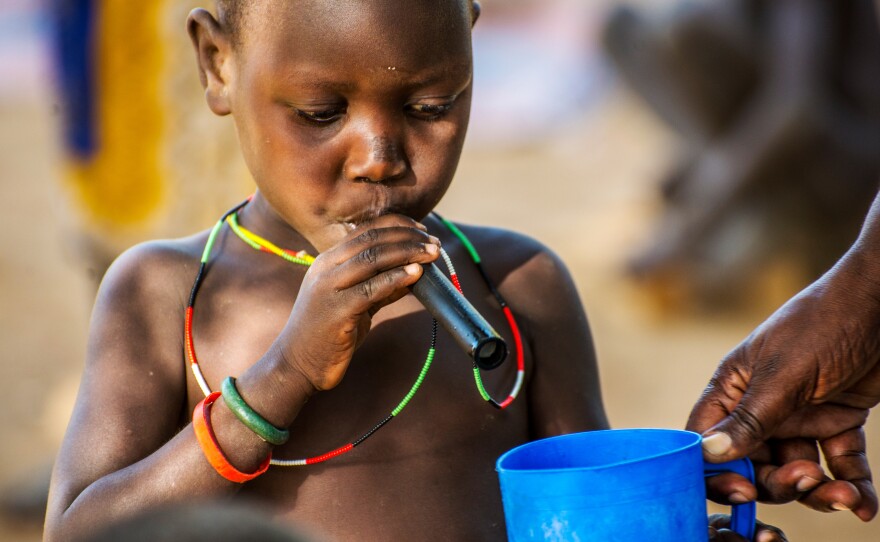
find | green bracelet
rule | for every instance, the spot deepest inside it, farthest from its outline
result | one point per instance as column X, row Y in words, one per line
column 249, row 416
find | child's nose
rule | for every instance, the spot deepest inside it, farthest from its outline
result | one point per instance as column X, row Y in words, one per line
column 376, row 158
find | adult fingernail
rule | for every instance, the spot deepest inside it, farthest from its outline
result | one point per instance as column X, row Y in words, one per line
column 412, row 269
column 431, row 248
column 806, row 483
column 840, row 506
column 737, row 498
column 717, row 444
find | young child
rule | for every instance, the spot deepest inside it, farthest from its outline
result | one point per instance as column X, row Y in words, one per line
column 351, row 117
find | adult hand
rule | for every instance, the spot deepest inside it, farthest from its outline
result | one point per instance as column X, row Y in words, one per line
column 805, row 378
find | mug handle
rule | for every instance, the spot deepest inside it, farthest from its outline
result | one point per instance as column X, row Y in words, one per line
column 743, row 516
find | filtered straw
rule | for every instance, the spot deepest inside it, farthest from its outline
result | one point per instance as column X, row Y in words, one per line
column 455, row 313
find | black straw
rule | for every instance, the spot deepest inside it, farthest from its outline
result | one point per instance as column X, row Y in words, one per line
column 455, row 313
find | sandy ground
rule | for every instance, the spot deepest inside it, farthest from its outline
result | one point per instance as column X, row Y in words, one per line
column 588, row 195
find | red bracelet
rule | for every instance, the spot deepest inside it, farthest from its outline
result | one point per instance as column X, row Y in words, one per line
column 211, row 449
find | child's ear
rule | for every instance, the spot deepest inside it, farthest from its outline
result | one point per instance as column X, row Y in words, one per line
column 475, row 9
column 213, row 50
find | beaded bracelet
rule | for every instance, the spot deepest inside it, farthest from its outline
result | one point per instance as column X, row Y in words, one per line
column 211, row 448
column 249, row 417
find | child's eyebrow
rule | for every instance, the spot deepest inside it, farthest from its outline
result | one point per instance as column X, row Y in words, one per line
column 442, row 73
column 311, row 80
column 428, row 80
column 317, row 80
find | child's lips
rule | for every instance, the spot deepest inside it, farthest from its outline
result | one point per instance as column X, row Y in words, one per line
column 340, row 227
column 359, row 218
column 354, row 220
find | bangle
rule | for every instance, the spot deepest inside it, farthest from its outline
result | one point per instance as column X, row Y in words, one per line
column 211, row 449
column 249, row 417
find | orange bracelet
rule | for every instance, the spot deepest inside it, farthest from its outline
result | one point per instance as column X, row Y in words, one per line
column 211, row 449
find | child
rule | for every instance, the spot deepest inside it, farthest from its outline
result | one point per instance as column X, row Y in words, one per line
column 351, row 118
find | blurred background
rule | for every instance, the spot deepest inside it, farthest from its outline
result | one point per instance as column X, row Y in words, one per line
column 694, row 163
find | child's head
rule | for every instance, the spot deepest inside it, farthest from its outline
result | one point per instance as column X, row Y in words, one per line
column 345, row 109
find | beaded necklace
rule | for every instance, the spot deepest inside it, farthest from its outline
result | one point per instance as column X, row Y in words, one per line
column 305, row 259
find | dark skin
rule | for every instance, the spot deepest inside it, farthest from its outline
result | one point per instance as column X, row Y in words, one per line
column 351, row 118
column 802, row 384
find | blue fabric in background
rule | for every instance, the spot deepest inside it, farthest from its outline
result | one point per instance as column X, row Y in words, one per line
column 73, row 25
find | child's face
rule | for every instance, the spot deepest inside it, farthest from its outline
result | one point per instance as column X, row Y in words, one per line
column 349, row 109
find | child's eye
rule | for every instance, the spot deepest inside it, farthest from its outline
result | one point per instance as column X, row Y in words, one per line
column 429, row 111
column 325, row 116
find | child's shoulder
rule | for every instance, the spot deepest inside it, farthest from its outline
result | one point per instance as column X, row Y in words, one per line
column 512, row 257
column 155, row 270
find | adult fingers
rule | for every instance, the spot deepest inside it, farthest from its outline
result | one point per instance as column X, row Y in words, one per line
column 821, row 421
column 832, row 495
column 730, row 488
column 846, row 460
column 789, row 482
column 793, row 473
column 742, row 406
column 792, row 470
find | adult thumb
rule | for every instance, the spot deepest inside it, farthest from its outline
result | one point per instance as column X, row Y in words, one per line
column 737, row 412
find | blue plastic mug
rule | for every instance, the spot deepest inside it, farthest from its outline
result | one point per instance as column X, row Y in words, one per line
column 620, row 484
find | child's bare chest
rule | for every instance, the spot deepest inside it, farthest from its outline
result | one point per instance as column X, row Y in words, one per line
column 431, row 404
column 432, row 461
column 435, row 450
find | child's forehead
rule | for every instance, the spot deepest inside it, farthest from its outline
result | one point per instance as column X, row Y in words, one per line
column 375, row 15
column 415, row 31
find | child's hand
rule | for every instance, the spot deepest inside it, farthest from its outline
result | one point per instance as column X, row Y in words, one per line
column 371, row 267
column 719, row 532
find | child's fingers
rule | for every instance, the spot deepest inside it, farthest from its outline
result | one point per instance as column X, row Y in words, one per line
column 762, row 534
column 363, row 238
column 383, row 288
column 719, row 531
column 375, row 259
column 364, row 241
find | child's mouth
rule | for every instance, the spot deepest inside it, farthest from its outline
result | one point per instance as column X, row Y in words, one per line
column 353, row 221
